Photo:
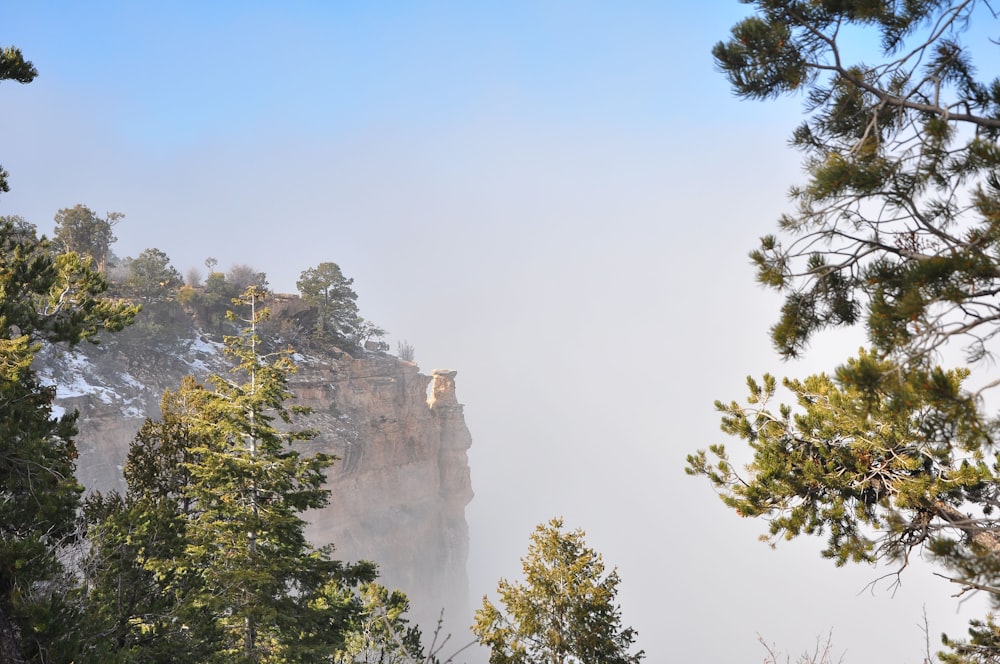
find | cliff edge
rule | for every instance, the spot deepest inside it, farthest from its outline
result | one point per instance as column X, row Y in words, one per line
column 398, row 491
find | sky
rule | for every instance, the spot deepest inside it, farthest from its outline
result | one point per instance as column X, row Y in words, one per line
column 554, row 198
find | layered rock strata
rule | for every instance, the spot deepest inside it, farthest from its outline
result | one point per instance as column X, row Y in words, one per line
column 398, row 491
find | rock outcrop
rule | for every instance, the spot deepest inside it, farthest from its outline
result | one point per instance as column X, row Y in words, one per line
column 402, row 483
column 398, row 492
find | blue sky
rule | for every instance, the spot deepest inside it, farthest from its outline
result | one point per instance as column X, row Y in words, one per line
column 193, row 69
column 555, row 199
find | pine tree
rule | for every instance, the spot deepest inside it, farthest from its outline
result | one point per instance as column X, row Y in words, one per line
column 382, row 634
column 79, row 229
column 13, row 67
column 896, row 226
column 140, row 598
column 46, row 298
column 151, row 277
column 214, row 515
column 563, row 613
column 247, row 536
column 325, row 288
column 897, row 230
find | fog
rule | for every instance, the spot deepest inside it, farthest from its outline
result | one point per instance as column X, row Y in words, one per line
column 554, row 199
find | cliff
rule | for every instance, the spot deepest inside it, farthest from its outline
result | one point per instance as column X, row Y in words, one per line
column 398, row 492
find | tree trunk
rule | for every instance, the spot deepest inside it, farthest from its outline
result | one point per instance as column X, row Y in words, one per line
column 9, row 652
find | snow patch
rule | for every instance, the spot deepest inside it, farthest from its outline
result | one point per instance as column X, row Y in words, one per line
column 133, row 411
column 130, row 380
column 203, row 352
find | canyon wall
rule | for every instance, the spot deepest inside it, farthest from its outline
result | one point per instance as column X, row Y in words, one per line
column 398, row 491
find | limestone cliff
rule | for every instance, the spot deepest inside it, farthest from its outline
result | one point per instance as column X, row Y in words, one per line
column 400, row 489
column 401, row 485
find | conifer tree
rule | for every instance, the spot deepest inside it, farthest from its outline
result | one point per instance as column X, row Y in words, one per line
column 898, row 224
column 151, row 277
column 896, row 229
column 382, row 633
column 214, row 519
column 326, row 288
column 337, row 318
column 563, row 613
column 13, row 67
column 140, row 598
column 44, row 298
column 79, row 229
column 251, row 487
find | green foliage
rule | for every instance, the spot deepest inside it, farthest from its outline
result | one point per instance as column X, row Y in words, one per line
column 158, row 328
column 137, row 609
column 382, row 634
column 19, row 226
column 981, row 648
column 210, row 537
column 151, row 277
column 337, row 318
column 880, row 459
column 897, row 225
column 151, row 281
column 563, row 612
column 78, row 229
column 13, row 67
column 211, row 303
column 896, row 228
column 44, row 298
column 247, row 538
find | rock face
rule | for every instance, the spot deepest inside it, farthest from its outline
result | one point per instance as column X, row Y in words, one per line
column 398, row 492
column 402, row 483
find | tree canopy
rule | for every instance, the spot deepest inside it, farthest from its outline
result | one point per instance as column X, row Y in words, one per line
column 205, row 557
column 897, row 225
column 81, row 230
column 44, row 298
column 13, row 67
column 151, row 276
column 564, row 611
column 896, row 229
column 337, row 318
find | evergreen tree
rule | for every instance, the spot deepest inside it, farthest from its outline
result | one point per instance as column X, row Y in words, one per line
column 80, row 230
column 337, row 318
column 13, row 67
column 44, row 298
column 563, row 613
column 151, row 277
column 897, row 229
column 898, row 225
column 140, row 598
column 213, row 516
column 247, row 537
column 382, row 634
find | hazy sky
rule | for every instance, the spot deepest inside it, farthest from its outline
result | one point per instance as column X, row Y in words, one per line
column 555, row 199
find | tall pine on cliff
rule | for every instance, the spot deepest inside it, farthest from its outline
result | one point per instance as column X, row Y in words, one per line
column 210, row 536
